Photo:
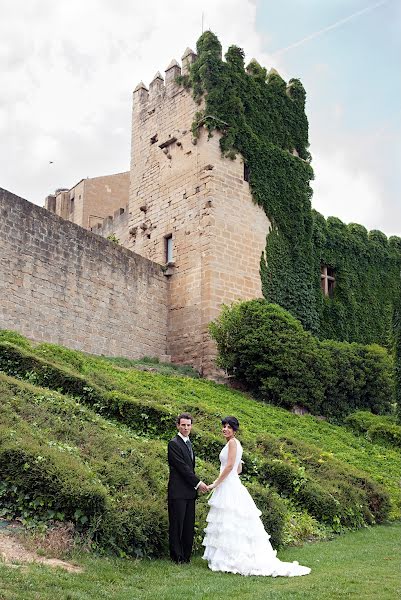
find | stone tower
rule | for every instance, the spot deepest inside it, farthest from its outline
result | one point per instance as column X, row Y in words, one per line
column 191, row 210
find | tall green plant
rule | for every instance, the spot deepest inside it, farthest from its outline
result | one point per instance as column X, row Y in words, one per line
column 267, row 348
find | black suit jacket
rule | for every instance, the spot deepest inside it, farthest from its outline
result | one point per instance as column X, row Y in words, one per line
column 182, row 480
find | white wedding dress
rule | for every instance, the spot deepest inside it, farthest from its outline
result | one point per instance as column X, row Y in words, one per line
column 235, row 540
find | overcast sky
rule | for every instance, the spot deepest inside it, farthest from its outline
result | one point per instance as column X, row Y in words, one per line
column 68, row 68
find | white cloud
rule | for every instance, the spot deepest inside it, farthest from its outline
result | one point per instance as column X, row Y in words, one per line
column 344, row 191
column 67, row 71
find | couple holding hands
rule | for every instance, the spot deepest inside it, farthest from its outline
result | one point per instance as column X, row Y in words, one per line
column 235, row 539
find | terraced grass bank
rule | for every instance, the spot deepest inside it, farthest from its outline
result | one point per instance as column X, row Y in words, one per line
column 83, row 439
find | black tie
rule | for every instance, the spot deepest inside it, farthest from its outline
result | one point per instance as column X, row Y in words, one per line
column 189, row 446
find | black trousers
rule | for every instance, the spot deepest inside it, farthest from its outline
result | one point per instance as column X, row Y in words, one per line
column 181, row 516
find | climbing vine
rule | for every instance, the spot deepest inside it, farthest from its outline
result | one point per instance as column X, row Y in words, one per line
column 262, row 117
column 367, row 281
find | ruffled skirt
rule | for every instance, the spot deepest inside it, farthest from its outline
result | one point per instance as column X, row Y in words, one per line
column 236, row 541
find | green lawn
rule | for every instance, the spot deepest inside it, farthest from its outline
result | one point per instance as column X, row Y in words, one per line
column 361, row 564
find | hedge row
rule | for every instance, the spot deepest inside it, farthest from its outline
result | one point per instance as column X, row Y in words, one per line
column 58, row 460
column 376, row 428
column 264, row 346
column 147, row 416
column 39, row 479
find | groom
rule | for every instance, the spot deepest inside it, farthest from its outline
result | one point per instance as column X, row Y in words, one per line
column 183, row 485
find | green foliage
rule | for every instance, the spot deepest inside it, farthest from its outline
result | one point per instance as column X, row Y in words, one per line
column 102, row 429
column 113, row 238
column 263, row 118
column 17, row 362
column 39, row 483
column 264, row 346
column 333, row 493
column 377, row 428
column 397, row 352
column 107, row 481
column 15, row 338
column 367, row 283
column 149, row 363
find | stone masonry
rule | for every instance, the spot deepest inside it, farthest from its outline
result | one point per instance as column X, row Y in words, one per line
column 60, row 283
column 181, row 187
column 92, row 201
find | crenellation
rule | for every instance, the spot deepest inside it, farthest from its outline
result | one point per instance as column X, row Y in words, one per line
column 141, row 93
column 172, row 72
column 156, row 88
column 188, row 58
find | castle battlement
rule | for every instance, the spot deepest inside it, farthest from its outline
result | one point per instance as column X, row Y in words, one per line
column 159, row 87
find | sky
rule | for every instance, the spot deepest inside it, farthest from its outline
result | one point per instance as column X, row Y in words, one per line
column 68, row 69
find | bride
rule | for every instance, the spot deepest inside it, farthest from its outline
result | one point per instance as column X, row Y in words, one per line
column 235, row 540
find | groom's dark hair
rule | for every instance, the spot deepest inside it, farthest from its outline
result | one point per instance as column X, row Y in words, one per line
column 183, row 416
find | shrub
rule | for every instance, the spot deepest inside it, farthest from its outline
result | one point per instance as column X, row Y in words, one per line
column 376, row 428
column 331, row 491
column 57, row 354
column 300, row 478
column 41, row 482
column 146, row 415
column 264, row 346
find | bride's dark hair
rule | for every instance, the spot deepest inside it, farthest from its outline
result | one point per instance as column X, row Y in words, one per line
column 231, row 421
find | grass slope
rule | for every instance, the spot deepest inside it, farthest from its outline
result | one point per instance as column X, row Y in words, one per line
column 71, row 422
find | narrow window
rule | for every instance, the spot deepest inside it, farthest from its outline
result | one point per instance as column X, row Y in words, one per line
column 327, row 280
column 246, row 172
column 169, row 248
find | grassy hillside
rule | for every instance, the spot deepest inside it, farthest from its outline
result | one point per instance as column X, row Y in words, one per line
column 84, row 439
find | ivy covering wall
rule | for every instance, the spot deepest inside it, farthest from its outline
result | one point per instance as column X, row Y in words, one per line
column 367, row 281
column 263, row 118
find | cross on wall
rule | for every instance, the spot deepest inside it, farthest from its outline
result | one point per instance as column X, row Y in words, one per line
column 327, row 280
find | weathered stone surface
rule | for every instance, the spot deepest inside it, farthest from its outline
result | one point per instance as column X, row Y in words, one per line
column 62, row 284
column 202, row 200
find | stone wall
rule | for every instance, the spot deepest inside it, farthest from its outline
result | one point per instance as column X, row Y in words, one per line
column 62, row 284
column 115, row 225
column 92, row 200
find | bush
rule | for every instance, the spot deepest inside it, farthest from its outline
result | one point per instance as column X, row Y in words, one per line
column 264, row 346
column 56, row 353
column 300, row 478
column 146, row 415
column 40, row 482
column 376, row 428
column 80, row 457
column 333, row 492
